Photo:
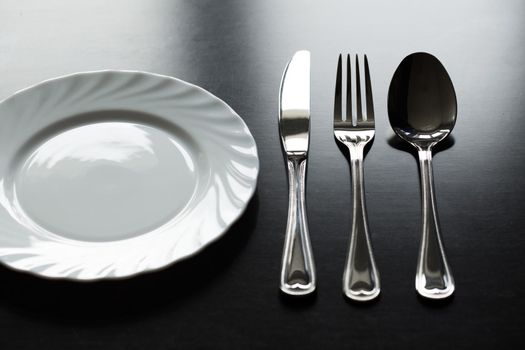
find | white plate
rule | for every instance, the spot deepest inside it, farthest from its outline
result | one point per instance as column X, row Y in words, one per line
column 112, row 173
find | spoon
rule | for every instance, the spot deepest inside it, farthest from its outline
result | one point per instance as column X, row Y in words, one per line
column 422, row 110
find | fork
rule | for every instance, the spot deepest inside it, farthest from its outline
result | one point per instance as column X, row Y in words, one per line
column 360, row 278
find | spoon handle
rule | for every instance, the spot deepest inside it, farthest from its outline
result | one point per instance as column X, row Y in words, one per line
column 298, row 270
column 360, row 278
column 433, row 277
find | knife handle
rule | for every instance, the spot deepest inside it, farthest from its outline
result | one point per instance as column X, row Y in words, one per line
column 298, row 270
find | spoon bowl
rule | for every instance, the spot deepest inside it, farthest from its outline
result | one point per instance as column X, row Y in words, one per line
column 422, row 105
column 422, row 109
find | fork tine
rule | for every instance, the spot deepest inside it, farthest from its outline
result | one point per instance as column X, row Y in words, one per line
column 337, row 102
column 348, row 90
column 358, row 90
column 368, row 93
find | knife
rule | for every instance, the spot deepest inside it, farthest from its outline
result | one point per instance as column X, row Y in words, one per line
column 297, row 270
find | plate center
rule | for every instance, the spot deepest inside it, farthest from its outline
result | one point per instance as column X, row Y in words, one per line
column 106, row 181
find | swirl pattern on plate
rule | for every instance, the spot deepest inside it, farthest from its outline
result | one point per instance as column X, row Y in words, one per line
column 227, row 157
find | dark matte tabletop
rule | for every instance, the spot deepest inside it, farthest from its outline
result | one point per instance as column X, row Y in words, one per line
column 227, row 297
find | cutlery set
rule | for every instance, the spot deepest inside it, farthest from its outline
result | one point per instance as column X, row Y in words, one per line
column 422, row 111
column 80, row 153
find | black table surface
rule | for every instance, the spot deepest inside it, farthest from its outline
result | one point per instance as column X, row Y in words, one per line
column 227, row 296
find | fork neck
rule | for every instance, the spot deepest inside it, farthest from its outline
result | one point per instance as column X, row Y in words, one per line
column 356, row 151
column 296, row 157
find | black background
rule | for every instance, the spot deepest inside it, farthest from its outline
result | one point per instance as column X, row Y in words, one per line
column 227, row 297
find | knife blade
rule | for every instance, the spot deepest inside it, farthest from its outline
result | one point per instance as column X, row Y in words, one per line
column 294, row 116
column 298, row 275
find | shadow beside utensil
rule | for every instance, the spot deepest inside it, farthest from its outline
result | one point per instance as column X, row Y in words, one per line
column 105, row 302
column 346, row 152
column 396, row 142
column 435, row 303
column 298, row 302
column 363, row 304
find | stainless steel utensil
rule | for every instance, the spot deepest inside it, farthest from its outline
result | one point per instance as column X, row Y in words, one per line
column 422, row 109
column 361, row 278
column 298, row 270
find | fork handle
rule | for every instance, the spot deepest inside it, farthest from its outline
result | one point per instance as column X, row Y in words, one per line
column 361, row 278
column 297, row 271
column 433, row 277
